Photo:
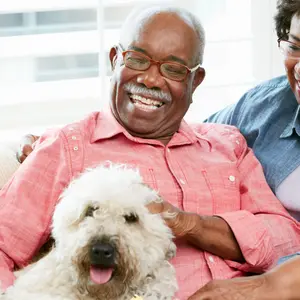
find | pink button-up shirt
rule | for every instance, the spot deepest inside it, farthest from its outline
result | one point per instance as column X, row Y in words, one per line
column 206, row 169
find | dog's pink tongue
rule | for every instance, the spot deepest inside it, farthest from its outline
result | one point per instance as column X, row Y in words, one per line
column 100, row 276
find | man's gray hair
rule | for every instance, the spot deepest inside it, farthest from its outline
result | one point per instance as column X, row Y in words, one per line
column 140, row 16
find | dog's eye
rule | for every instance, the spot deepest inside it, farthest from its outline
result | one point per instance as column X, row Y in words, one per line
column 90, row 211
column 131, row 218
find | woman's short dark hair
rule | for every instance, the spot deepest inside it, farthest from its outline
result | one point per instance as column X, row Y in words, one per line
column 286, row 9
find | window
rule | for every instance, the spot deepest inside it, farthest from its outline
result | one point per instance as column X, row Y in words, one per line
column 54, row 66
column 48, row 21
column 66, row 67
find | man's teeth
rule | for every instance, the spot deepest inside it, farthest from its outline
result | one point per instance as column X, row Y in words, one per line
column 146, row 101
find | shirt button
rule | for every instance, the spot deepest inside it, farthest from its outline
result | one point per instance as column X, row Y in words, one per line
column 182, row 181
column 211, row 259
column 74, row 137
column 75, row 148
column 237, row 142
column 168, row 150
column 231, row 178
column 71, row 128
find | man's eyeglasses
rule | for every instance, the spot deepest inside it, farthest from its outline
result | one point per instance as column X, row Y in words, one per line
column 138, row 61
column 289, row 49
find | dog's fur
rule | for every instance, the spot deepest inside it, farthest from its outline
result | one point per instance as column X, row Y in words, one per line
column 104, row 204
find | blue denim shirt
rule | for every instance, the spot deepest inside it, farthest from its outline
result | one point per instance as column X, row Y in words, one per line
column 269, row 118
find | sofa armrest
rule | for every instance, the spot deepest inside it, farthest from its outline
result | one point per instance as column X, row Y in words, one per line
column 8, row 162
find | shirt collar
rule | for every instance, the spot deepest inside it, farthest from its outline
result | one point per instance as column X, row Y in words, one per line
column 293, row 125
column 184, row 136
column 107, row 127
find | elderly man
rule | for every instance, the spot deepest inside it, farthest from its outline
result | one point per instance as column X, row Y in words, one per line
column 228, row 223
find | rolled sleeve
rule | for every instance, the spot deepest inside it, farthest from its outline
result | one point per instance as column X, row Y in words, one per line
column 263, row 228
column 254, row 242
column 27, row 203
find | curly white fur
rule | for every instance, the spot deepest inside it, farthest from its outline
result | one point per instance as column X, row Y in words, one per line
column 143, row 247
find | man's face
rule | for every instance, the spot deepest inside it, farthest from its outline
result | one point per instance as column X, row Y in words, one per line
column 146, row 103
column 293, row 65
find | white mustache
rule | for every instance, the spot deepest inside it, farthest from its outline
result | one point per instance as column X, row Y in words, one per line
column 135, row 89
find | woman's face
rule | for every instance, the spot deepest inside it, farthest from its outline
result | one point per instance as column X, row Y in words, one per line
column 292, row 64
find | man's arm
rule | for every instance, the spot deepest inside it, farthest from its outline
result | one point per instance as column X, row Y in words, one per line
column 258, row 234
column 27, row 203
column 282, row 283
column 213, row 234
column 250, row 239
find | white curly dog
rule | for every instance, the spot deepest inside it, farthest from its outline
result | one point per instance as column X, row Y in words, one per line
column 107, row 244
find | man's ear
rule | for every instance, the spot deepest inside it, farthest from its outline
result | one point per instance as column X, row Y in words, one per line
column 113, row 55
column 198, row 78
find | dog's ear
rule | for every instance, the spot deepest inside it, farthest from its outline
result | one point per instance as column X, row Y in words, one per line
column 171, row 251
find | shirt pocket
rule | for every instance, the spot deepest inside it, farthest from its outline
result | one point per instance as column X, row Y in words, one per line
column 148, row 176
column 224, row 185
column 147, row 173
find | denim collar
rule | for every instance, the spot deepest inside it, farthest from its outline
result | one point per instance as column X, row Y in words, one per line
column 292, row 126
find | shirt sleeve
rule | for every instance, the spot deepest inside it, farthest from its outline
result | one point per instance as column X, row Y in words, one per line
column 224, row 116
column 235, row 113
column 27, row 202
column 263, row 229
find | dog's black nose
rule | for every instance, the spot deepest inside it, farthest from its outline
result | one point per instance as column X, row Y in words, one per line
column 102, row 254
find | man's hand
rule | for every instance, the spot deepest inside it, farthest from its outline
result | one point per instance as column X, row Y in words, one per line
column 180, row 222
column 25, row 147
column 211, row 234
column 281, row 283
column 246, row 288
